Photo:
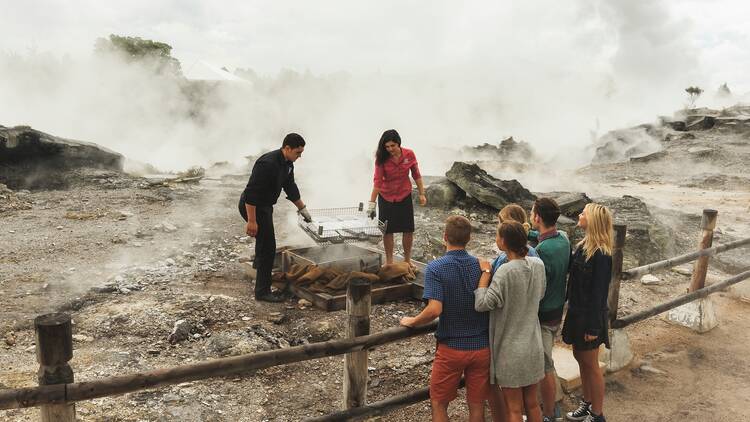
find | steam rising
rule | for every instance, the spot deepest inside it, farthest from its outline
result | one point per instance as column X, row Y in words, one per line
column 445, row 76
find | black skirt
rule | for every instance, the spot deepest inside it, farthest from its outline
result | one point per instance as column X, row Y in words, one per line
column 397, row 216
column 574, row 330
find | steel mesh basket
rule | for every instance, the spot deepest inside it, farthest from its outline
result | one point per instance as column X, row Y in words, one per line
column 341, row 225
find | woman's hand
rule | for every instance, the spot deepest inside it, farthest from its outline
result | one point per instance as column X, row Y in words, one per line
column 422, row 199
column 587, row 337
column 484, row 265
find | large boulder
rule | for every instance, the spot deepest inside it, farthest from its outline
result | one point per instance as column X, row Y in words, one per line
column 571, row 203
column 487, row 189
column 443, row 193
column 648, row 239
column 30, row 159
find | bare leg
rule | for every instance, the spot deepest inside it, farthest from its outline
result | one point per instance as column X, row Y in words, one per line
column 439, row 411
column 531, row 403
column 513, row 404
column 407, row 239
column 388, row 245
column 585, row 385
column 497, row 404
column 548, row 387
column 476, row 412
column 592, row 376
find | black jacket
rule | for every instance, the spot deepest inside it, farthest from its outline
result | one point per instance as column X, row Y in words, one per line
column 588, row 288
column 271, row 173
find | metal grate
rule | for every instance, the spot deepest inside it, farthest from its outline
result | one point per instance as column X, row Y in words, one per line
column 342, row 225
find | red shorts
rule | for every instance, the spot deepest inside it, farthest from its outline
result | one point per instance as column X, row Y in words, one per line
column 448, row 367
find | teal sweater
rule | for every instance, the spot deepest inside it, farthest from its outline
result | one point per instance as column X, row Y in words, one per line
column 555, row 253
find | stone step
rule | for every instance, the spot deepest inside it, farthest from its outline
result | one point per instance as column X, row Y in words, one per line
column 567, row 368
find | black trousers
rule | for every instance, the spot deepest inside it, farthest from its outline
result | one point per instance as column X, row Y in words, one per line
column 265, row 249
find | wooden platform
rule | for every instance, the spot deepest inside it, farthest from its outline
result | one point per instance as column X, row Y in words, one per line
column 330, row 303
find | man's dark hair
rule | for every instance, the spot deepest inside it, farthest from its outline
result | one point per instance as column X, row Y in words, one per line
column 293, row 140
column 390, row 135
column 457, row 230
column 548, row 210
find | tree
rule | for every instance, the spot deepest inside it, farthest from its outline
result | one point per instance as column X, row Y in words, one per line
column 136, row 49
column 693, row 93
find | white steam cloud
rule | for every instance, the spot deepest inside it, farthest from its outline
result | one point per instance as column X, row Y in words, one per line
column 444, row 74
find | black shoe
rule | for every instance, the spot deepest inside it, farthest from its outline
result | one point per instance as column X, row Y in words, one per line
column 580, row 414
column 270, row 297
column 595, row 418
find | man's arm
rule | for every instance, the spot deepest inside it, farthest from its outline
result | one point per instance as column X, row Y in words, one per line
column 291, row 189
column 433, row 310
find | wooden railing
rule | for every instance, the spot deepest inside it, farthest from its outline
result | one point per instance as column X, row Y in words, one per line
column 56, row 394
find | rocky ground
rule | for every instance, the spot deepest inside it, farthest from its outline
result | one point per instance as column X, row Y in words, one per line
column 157, row 275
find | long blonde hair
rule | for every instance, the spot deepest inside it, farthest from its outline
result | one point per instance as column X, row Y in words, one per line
column 598, row 230
column 514, row 212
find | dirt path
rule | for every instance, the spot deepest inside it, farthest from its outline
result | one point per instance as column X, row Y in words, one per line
column 705, row 376
column 123, row 328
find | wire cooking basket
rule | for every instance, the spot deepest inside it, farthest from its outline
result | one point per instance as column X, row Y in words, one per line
column 342, row 225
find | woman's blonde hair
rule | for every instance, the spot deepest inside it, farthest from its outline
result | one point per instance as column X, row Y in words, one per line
column 514, row 212
column 598, row 230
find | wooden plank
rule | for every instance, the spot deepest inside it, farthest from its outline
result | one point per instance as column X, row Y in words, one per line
column 330, row 303
column 111, row 386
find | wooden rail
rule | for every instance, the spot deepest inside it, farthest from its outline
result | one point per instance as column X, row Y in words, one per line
column 72, row 392
column 57, row 392
column 379, row 408
column 681, row 259
column 686, row 298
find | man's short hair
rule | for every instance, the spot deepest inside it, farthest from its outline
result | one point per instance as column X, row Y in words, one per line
column 293, row 140
column 548, row 210
column 457, row 230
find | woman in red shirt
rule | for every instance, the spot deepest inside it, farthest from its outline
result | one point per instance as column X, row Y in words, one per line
column 392, row 188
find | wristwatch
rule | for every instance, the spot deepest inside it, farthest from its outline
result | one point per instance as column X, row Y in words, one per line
column 487, row 271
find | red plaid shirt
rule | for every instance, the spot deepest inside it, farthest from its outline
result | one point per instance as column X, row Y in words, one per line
column 392, row 178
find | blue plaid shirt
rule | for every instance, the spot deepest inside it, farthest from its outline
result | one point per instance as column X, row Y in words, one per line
column 452, row 280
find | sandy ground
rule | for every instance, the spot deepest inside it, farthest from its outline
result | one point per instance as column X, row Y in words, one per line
column 49, row 262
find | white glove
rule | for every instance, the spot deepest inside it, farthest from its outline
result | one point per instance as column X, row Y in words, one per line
column 371, row 210
column 305, row 214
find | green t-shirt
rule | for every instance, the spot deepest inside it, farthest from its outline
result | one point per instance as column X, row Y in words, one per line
column 554, row 251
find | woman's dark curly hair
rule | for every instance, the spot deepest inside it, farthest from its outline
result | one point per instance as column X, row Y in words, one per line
column 382, row 154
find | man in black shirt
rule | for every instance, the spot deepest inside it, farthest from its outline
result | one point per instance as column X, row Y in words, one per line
column 272, row 172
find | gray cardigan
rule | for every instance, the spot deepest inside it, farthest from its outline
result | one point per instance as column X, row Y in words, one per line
column 515, row 336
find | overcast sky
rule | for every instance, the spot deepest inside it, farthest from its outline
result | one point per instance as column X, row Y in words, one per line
column 645, row 39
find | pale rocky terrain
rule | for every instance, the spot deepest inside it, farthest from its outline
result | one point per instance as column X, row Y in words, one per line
column 128, row 258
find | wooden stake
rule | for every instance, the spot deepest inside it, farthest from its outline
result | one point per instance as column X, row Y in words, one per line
column 708, row 223
column 54, row 349
column 613, row 298
column 358, row 297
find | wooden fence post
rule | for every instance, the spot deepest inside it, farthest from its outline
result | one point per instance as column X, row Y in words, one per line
column 708, row 223
column 54, row 349
column 358, row 297
column 613, row 298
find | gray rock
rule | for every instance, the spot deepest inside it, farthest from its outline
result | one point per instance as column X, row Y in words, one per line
column 486, row 189
column 443, row 194
column 31, row 159
column 322, row 331
column 571, row 203
column 180, row 332
column 650, row 279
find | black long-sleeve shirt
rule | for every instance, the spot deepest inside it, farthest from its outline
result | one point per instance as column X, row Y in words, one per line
column 588, row 288
column 271, row 173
